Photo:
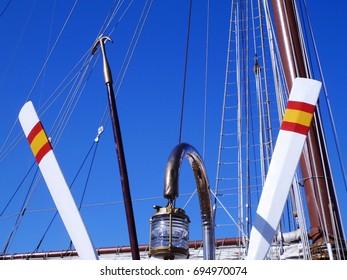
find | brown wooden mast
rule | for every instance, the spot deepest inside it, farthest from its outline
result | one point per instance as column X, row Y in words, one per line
column 315, row 169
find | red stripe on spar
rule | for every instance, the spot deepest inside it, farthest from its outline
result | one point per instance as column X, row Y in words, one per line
column 295, row 127
column 301, row 106
column 36, row 129
column 43, row 151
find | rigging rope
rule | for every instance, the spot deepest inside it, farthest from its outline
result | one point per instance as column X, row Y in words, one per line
column 206, row 78
column 185, row 72
column 130, row 52
column 117, row 202
column 5, row 8
column 24, row 206
column 95, row 143
column 132, row 46
column 325, row 201
column 15, row 49
column 88, row 176
column 39, row 76
column 52, row 50
column 219, row 160
column 62, row 121
column 205, row 93
column 77, row 82
column 47, row 54
column 325, row 90
column 281, row 100
column 17, row 189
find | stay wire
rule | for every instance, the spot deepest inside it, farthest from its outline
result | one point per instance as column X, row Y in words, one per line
column 15, row 49
column 7, row 149
column 206, row 78
column 205, row 94
column 20, row 215
column 185, row 72
column 5, row 8
column 325, row 90
column 86, row 183
column 132, row 46
column 18, row 188
column 80, row 83
column 51, row 52
column 86, row 66
column 72, row 183
column 41, row 91
column 41, row 71
column 130, row 52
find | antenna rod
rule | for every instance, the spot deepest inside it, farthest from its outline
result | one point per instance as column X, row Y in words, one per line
column 119, row 148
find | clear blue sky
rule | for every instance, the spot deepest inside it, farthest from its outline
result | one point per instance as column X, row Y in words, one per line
column 148, row 103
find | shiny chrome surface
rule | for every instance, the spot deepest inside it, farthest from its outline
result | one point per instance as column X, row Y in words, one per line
column 171, row 190
column 106, row 67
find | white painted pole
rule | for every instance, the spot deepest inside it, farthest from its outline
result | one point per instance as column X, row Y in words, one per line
column 56, row 183
column 285, row 158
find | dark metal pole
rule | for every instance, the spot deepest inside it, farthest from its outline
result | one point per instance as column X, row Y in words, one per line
column 120, row 151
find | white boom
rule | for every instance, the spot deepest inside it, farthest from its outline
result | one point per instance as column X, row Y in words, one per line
column 55, row 181
column 290, row 142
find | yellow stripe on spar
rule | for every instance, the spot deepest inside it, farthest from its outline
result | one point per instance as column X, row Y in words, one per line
column 296, row 116
column 38, row 142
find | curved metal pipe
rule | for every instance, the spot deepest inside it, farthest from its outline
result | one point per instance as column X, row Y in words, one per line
column 171, row 191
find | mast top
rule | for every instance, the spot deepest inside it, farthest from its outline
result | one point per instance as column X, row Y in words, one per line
column 106, row 67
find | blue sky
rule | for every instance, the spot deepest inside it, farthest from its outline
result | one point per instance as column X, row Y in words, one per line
column 148, row 104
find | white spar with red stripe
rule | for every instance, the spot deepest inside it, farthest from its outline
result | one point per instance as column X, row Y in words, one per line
column 55, row 181
column 290, row 142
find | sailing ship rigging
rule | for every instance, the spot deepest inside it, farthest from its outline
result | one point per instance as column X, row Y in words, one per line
column 269, row 44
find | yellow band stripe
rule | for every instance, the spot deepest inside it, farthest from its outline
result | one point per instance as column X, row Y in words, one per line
column 300, row 117
column 39, row 142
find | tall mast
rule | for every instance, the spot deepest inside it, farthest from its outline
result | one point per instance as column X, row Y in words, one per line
column 119, row 149
column 314, row 166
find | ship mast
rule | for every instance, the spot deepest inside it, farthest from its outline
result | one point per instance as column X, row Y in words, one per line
column 324, row 218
